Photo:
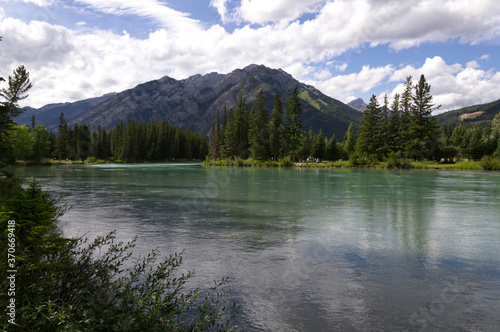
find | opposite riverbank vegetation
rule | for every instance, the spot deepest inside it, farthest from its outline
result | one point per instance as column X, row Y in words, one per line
column 486, row 163
column 400, row 135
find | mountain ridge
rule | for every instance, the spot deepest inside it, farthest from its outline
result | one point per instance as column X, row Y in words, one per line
column 48, row 115
column 475, row 114
column 193, row 102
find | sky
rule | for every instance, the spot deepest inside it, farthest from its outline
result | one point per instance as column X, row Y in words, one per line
column 78, row 49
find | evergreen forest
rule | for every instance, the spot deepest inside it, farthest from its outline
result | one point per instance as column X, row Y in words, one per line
column 400, row 131
column 129, row 142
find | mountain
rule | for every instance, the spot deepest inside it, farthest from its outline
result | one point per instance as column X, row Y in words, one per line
column 48, row 115
column 358, row 104
column 477, row 114
column 193, row 102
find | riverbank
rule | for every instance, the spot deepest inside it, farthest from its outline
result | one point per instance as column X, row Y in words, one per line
column 89, row 161
column 487, row 163
column 460, row 165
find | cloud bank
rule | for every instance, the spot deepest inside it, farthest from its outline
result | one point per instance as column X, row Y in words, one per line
column 311, row 39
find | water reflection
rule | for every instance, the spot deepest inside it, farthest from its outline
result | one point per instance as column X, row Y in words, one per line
column 314, row 250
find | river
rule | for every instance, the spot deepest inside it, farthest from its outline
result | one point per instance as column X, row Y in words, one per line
column 310, row 249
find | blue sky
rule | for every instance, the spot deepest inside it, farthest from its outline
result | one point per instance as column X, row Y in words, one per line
column 78, row 49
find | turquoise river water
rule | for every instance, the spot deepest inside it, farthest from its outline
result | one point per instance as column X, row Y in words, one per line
column 310, row 249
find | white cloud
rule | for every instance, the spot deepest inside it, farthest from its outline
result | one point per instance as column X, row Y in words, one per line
column 473, row 64
column 41, row 3
column 346, row 87
column 220, row 5
column 341, row 67
column 264, row 11
column 152, row 9
column 66, row 65
column 485, row 57
column 453, row 86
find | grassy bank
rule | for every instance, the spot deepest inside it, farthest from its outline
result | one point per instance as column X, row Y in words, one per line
column 285, row 162
column 487, row 163
column 459, row 165
column 94, row 161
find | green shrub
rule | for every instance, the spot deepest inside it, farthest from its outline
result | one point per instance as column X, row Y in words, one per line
column 490, row 163
column 395, row 161
column 91, row 160
column 357, row 160
column 239, row 161
column 285, row 162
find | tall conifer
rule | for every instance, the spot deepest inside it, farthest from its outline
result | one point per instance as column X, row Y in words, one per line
column 276, row 135
column 258, row 132
column 293, row 123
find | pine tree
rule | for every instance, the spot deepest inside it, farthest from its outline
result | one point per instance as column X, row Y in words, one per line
column 62, row 139
column 215, row 136
column 349, row 143
column 241, row 123
column 368, row 143
column 105, row 146
column 151, row 139
column 258, row 132
column 333, row 150
column 423, row 125
column 230, row 147
column 17, row 89
column 72, row 147
column 475, row 146
column 33, row 121
column 394, row 125
column 276, row 134
column 117, row 141
column 306, row 145
column 404, row 139
column 222, row 130
column 319, row 148
column 83, row 142
column 293, row 123
column 382, row 137
column 19, row 84
column 161, row 141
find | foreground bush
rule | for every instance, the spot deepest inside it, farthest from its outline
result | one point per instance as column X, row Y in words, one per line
column 395, row 161
column 72, row 285
column 490, row 163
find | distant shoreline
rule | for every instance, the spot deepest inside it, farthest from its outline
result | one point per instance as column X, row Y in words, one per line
column 360, row 164
column 431, row 165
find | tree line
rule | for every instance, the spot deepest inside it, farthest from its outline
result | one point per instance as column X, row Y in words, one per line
column 255, row 133
column 130, row 142
column 406, row 129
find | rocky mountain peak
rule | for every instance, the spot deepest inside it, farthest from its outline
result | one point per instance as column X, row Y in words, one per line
column 193, row 102
column 358, row 104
